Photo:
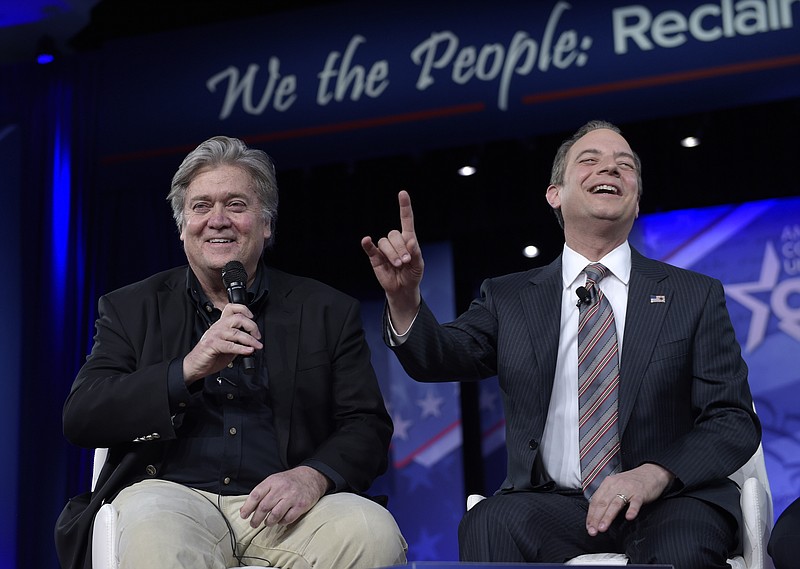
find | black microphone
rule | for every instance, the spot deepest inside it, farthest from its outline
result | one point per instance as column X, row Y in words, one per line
column 583, row 296
column 234, row 276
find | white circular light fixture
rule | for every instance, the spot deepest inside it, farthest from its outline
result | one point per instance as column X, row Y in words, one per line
column 531, row 251
column 690, row 142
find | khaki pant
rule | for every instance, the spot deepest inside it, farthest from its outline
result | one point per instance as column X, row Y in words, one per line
column 163, row 525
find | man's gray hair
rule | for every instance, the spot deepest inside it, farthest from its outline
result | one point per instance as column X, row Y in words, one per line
column 227, row 151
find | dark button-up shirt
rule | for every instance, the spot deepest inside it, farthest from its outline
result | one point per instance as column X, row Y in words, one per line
column 226, row 441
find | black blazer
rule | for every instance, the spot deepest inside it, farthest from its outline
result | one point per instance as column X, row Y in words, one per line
column 685, row 402
column 326, row 400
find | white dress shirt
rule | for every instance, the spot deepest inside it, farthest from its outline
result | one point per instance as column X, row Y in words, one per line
column 559, row 446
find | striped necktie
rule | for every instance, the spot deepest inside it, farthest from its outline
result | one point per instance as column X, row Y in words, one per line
column 598, row 384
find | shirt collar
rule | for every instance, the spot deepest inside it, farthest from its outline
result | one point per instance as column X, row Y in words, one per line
column 257, row 293
column 617, row 261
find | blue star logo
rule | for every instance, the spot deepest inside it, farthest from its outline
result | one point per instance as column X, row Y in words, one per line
column 779, row 300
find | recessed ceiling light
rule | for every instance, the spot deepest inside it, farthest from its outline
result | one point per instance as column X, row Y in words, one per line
column 531, row 251
column 690, row 142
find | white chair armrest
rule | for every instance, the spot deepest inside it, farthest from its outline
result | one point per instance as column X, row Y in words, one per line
column 599, row 559
column 104, row 538
column 473, row 499
column 756, row 525
column 97, row 465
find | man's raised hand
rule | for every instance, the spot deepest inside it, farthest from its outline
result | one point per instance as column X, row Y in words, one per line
column 398, row 266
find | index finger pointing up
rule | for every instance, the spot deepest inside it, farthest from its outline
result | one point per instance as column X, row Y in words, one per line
column 406, row 213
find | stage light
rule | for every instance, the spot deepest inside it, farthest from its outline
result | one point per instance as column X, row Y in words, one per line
column 531, row 251
column 690, row 141
column 45, row 50
column 467, row 170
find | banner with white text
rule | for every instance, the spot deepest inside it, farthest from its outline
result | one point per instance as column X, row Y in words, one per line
column 353, row 79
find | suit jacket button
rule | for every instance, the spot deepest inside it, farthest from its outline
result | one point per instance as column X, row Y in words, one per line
column 533, row 444
column 151, row 470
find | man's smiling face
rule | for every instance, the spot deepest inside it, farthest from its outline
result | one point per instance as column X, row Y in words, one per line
column 224, row 221
column 600, row 182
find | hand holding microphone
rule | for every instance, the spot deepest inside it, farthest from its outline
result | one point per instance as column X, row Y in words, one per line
column 234, row 276
column 234, row 335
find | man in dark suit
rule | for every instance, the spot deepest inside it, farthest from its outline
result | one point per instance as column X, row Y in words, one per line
column 212, row 464
column 675, row 409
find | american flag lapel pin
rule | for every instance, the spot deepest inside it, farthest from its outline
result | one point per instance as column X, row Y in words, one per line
column 657, row 298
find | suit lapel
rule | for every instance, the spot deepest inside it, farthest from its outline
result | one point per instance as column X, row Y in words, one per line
column 649, row 299
column 176, row 316
column 541, row 302
column 281, row 344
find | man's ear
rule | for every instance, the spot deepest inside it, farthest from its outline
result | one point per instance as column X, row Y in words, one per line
column 553, row 196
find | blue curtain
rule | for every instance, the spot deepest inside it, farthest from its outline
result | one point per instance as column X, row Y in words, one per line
column 54, row 112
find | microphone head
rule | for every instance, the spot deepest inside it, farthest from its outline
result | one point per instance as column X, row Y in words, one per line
column 234, row 273
column 583, row 295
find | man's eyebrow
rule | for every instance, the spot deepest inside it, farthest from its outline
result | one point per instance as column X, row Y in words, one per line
column 234, row 194
column 595, row 151
column 587, row 151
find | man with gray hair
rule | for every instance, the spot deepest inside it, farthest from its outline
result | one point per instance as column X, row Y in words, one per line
column 242, row 415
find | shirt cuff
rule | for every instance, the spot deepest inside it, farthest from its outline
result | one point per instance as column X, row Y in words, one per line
column 396, row 339
column 178, row 393
column 339, row 483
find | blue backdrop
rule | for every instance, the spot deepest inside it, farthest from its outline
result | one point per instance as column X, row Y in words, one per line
column 94, row 141
column 754, row 249
column 425, row 482
column 10, row 339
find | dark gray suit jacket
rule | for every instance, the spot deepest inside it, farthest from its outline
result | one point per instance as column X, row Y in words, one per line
column 685, row 402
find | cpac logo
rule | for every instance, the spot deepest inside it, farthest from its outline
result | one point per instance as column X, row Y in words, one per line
column 780, row 298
